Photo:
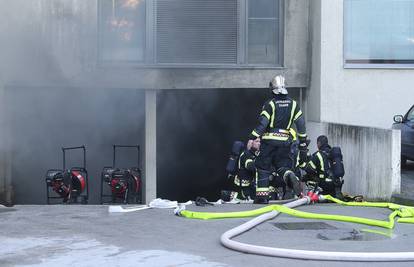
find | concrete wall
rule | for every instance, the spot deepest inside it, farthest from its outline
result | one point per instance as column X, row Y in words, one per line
column 367, row 97
column 371, row 157
column 55, row 41
column 6, row 191
column 314, row 94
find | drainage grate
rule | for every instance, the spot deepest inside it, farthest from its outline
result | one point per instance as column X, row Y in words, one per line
column 305, row 226
column 354, row 235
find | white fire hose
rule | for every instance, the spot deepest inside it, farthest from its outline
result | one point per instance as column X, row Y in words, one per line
column 226, row 240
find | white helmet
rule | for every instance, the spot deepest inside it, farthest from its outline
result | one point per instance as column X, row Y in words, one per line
column 277, row 85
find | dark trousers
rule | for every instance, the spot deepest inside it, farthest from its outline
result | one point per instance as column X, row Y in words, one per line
column 331, row 188
column 328, row 188
column 271, row 156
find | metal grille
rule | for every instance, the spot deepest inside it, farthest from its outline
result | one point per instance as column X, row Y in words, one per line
column 196, row 31
column 305, row 226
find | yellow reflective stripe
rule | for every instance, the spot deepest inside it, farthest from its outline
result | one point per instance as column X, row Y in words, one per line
column 236, row 180
column 247, row 162
column 321, row 161
column 266, row 114
column 270, row 137
column 292, row 112
column 272, row 121
column 240, row 159
column 293, row 134
column 262, row 189
column 297, row 115
column 302, row 135
column 254, row 133
column 298, row 162
column 257, row 177
column 312, row 165
column 284, row 131
column 244, row 183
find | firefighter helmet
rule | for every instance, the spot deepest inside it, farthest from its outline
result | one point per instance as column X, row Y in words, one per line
column 277, row 85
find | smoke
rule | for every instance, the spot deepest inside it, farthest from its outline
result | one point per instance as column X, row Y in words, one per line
column 48, row 52
column 55, row 93
column 44, row 120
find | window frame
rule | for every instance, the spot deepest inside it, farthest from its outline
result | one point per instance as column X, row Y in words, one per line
column 150, row 43
column 100, row 60
column 281, row 33
column 366, row 65
column 411, row 110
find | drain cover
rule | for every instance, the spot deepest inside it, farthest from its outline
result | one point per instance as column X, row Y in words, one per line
column 354, row 235
column 305, row 226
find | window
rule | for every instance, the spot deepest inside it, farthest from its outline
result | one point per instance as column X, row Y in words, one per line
column 264, row 32
column 197, row 31
column 410, row 115
column 122, row 25
column 379, row 32
column 174, row 33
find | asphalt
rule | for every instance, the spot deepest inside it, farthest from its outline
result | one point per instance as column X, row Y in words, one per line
column 74, row 235
column 407, row 186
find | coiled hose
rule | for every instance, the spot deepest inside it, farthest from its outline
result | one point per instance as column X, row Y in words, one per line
column 270, row 212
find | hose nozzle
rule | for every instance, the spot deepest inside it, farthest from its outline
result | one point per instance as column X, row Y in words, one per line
column 313, row 196
column 179, row 209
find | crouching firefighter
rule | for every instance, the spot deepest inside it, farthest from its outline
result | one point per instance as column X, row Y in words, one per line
column 325, row 169
column 242, row 170
column 277, row 117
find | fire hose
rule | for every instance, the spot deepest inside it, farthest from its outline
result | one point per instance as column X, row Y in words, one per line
column 405, row 213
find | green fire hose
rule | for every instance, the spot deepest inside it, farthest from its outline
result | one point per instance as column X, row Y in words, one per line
column 405, row 214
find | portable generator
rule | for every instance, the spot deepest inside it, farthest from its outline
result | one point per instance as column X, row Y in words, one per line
column 123, row 184
column 70, row 185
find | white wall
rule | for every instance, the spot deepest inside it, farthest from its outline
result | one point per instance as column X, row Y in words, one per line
column 366, row 97
column 368, row 170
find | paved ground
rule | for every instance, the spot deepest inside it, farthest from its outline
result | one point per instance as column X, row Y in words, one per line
column 90, row 236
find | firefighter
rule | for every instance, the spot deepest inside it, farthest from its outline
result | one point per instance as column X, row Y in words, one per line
column 276, row 182
column 241, row 171
column 325, row 169
column 278, row 115
column 299, row 159
column 243, row 181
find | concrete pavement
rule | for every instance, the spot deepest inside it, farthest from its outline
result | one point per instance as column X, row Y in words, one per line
column 90, row 236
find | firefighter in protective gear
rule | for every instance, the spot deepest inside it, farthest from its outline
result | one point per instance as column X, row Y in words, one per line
column 299, row 157
column 319, row 173
column 276, row 182
column 246, row 170
column 277, row 117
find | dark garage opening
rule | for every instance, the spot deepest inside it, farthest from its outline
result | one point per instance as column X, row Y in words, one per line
column 195, row 132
